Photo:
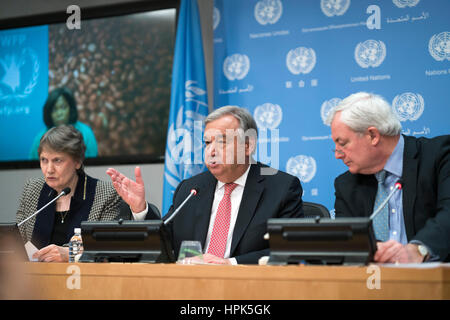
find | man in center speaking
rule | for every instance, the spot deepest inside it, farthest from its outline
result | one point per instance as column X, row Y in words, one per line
column 236, row 196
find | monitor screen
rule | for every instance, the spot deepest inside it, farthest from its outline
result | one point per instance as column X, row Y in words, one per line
column 321, row 241
column 126, row 241
column 110, row 78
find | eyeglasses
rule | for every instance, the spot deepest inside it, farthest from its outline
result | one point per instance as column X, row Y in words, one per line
column 340, row 152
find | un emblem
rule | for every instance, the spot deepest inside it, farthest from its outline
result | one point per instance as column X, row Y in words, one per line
column 301, row 60
column 19, row 74
column 439, row 46
column 216, row 18
column 303, row 167
column 268, row 11
column 405, row 3
column 408, row 106
column 327, row 106
column 370, row 53
column 236, row 66
column 268, row 116
column 332, row 8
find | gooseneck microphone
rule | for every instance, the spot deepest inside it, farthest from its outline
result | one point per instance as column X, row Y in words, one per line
column 192, row 193
column 398, row 185
column 63, row 193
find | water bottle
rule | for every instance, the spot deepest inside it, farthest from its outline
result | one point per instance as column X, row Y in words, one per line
column 75, row 246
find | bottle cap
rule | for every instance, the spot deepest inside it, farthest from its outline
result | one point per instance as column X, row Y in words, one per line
column 77, row 230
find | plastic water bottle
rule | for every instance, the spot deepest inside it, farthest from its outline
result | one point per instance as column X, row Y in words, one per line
column 75, row 246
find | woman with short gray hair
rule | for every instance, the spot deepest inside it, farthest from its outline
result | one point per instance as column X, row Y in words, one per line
column 61, row 155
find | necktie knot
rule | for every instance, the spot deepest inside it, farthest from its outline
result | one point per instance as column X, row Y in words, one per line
column 381, row 176
column 229, row 187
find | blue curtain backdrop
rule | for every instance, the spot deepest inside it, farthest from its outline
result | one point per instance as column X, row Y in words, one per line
column 188, row 104
column 23, row 88
column 289, row 62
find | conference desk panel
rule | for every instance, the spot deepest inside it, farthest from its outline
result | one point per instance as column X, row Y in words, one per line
column 137, row 281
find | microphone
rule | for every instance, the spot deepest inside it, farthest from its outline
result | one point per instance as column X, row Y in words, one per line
column 398, row 185
column 63, row 193
column 193, row 192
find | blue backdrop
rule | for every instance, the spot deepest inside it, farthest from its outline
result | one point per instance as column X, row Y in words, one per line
column 290, row 61
column 23, row 88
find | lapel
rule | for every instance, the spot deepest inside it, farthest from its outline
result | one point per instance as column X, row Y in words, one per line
column 203, row 207
column 252, row 193
column 410, row 167
column 43, row 226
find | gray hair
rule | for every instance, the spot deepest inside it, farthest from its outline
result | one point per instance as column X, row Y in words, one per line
column 362, row 110
column 66, row 139
column 246, row 121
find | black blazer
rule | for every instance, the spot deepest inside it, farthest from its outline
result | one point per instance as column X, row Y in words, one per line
column 264, row 197
column 426, row 193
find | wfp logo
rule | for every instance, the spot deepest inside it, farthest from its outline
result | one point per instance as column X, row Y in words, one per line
column 268, row 11
column 19, row 73
column 405, row 3
column 236, row 66
column 301, row 60
column 184, row 152
column 439, row 46
column 303, row 167
column 268, row 116
column 326, row 107
column 332, row 8
column 370, row 53
column 216, row 18
column 408, row 106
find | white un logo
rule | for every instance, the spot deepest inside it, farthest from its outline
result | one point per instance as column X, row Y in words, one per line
column 332, row 8
column 268, row 116
column 439, row 46
column 303, row 167
column 408, row 106
column 216, row 18
column 327, row 106
column 370, row 53
column 301, row 60
column 268, row 11
column 20, row 70
column 236, row 66
column 405, row 3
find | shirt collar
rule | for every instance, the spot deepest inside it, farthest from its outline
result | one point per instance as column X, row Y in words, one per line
column 239, row 181
column 394, row 165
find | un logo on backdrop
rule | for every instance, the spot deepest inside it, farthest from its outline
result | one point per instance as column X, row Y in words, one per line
column 332, row 8
column 303, row 167
column 236, row 66
column 216, row 18
column 268, row 11
column 326, row 108
column 408, row 106
column 301, row 60
column 19, row 73
column 405, row 3
column 439, row 46
column 370, row 53
column 268, row 116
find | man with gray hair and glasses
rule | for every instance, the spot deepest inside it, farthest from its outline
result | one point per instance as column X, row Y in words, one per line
column 236, row 196
column 414, row 225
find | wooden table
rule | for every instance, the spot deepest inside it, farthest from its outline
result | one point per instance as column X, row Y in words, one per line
column 192, row 282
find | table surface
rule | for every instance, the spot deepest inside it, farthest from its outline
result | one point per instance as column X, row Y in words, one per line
column 205, row 282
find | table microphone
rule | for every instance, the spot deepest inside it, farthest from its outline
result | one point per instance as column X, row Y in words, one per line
column 63, row 193
column 398, row 185
column 193, row 192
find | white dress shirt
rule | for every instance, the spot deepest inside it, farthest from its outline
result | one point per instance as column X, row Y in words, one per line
column 236, row 197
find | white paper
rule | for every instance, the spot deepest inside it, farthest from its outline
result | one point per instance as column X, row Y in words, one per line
column 31, row 249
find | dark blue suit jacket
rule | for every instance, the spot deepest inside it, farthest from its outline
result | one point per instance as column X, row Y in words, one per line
column 426, row 193
column 264, row 197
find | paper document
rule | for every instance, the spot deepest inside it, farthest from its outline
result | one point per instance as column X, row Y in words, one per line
column 31, row 249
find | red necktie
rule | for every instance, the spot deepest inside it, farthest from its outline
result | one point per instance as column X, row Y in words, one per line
column 219, row 235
